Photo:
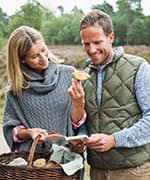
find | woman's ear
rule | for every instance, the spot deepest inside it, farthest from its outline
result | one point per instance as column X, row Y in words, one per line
column 23, row 61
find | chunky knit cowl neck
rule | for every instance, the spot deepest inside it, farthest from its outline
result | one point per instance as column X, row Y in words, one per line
column 45, row 83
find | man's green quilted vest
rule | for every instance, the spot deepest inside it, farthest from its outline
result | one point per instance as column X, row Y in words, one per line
column 118, row 109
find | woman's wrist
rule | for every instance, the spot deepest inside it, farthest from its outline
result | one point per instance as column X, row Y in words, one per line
column 16, row 137
column 24, row 133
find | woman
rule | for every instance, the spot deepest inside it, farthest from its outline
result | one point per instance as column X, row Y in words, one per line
column 37, row 101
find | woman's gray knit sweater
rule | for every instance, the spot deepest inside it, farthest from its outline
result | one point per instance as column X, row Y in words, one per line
column 45, row 104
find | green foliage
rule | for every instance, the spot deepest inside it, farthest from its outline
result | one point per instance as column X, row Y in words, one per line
column 1, row 40
column 63, row 36
column 74, row 27
column 50, row 30
column 120, row 29
column 3, row 23
column 106, row 7
column 61, row 9
column 128, row 11
column 30, row 14
column 146, row 30
column 129, row 6
column 62, row 29
column 130, row 25
column 135, row 32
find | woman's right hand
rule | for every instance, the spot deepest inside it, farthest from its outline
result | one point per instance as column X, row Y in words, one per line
column 33, row 133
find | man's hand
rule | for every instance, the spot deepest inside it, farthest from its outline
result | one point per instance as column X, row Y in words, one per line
column 76, row 93
column 101, row 142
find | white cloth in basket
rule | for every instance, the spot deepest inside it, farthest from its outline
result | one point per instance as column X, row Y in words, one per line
column 70, row 161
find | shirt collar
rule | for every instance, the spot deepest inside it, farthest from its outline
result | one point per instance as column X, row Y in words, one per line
column 103, row 66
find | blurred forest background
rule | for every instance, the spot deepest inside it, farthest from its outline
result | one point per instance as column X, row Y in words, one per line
column 61, row 31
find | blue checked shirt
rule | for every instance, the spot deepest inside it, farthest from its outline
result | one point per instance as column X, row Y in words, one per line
column 139, row 133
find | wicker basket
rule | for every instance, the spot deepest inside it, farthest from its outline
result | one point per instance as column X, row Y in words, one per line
column 29, row 172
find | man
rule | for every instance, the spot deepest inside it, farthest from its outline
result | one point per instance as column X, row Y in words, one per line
column 117, row 103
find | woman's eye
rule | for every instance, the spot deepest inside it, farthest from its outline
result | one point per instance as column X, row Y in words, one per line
column 35, row 56
column 43, row 49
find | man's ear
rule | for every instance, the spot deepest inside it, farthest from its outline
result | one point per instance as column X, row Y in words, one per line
column 111, row 37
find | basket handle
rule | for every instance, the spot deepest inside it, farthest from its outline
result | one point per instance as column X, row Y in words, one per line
column 32, row 150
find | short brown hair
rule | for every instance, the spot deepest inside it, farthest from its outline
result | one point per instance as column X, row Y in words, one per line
column 99, row 17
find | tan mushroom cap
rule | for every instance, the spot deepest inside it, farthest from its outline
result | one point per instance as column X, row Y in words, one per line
column 80, row 75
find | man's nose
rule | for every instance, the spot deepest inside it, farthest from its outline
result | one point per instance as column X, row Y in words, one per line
column 92, row 48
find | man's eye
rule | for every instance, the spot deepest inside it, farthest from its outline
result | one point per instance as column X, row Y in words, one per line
column 97, row 42
column 86, row 44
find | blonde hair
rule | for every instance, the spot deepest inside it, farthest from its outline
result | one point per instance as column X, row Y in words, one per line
column 19, row 43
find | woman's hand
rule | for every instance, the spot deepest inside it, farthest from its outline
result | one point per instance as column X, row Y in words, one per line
column 33, row 133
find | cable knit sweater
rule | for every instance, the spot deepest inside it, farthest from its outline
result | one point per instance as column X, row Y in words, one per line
column 45, row 104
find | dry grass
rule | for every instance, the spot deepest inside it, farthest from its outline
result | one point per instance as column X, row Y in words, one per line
column 86, row 175
column 71, row 54
column 143, row 51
